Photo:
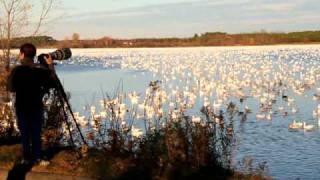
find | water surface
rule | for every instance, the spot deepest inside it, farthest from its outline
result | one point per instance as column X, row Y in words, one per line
column 289, row 154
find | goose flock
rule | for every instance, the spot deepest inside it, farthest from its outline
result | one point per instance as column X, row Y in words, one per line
column 274, row 91
column 263, row 82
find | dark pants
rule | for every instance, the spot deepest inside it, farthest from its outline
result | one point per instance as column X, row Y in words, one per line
column 30, row 124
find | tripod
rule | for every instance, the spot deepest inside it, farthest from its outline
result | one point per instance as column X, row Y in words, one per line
column 60, row 55
column 64, row 101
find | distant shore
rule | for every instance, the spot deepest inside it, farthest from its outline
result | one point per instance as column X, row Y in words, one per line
column 198, row 40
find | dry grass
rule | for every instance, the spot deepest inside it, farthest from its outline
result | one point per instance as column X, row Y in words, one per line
column 68, row 162
column 105, row 165
column 8, row 155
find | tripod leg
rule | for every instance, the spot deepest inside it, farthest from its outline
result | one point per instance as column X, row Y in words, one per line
column 68, row 124
column 65, row 99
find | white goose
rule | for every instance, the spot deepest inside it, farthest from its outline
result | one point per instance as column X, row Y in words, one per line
column 296, row 125
column 307, row 127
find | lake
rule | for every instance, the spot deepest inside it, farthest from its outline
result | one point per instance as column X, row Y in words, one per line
column 279, row 84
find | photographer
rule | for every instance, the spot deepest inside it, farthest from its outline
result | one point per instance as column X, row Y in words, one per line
column 30, row 81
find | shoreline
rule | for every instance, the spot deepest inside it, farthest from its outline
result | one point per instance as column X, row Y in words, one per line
column 198, row 46
column 106, row 49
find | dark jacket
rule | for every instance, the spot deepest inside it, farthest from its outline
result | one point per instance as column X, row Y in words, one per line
column 30, row 83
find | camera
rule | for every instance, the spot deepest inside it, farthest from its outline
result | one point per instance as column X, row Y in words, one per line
column 60, row 54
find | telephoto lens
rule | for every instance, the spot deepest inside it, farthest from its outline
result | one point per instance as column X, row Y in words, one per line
column 61, row 54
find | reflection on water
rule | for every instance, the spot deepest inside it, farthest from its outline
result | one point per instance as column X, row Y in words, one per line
column 289, row 154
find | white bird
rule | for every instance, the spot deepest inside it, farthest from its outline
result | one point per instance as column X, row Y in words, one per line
column 269, row 117
column 307, row 127
column 296, row 125
column 260, row 116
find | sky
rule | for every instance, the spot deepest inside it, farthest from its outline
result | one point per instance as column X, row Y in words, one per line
column 180, row 18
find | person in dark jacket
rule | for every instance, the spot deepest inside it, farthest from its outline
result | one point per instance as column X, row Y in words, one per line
column 30, row 81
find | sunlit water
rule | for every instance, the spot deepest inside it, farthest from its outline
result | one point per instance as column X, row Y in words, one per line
column 289, row 154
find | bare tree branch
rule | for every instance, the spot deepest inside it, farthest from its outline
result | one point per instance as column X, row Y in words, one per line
column 46, row 7
column 14, row 22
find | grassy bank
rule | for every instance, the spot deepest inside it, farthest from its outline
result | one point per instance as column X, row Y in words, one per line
column 106, row 165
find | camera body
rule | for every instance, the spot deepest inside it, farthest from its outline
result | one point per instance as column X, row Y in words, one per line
column 60, row 54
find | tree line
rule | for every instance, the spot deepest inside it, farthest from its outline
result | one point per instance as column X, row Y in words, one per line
column 205, row 39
